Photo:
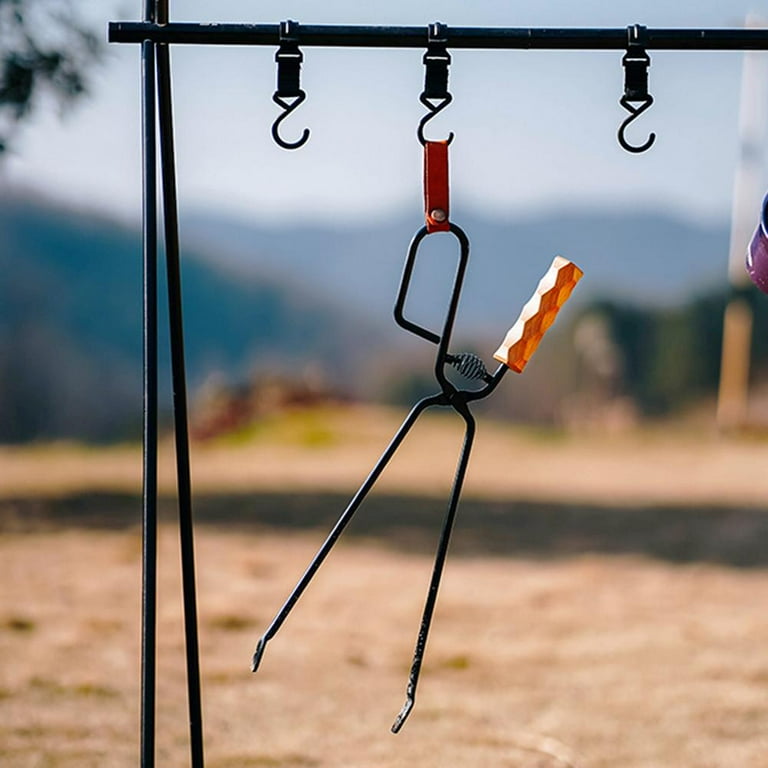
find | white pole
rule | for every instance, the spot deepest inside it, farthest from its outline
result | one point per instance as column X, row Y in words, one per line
column 748, row 190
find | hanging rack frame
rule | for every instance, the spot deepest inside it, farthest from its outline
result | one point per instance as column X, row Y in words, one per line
column 155, row 34
column 473, row 38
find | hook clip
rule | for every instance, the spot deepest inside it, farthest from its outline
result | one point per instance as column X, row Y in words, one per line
column 435, row 96
column 288, row 58
column 636, row 98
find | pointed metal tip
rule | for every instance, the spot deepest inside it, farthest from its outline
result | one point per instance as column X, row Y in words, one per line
column 403, row 716
column 258, row 653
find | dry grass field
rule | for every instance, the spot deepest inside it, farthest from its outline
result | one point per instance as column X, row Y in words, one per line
column 621, row 624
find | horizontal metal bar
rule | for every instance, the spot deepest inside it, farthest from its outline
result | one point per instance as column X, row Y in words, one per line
column 332, row 36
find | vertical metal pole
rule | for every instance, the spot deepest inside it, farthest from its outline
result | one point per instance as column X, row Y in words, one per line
column 178, row 369
column 149, row 494
column 162, row 10
column 149, row 334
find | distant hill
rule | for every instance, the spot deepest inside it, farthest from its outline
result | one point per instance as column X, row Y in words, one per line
column 647, row 259
column 70, row 324
column 285, row 299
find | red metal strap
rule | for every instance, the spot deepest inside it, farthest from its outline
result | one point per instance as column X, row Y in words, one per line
column 436, row 208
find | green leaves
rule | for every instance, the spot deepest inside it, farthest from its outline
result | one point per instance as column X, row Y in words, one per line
column 44, row 49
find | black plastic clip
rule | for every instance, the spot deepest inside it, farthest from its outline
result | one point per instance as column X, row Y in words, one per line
column 636, row 98
column 435, row 96
column 288, row 94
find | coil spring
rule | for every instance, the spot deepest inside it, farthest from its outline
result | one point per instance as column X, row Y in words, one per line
column 469, row 365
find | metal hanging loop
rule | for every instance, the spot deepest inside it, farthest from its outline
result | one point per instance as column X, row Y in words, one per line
column 287, row 109
column 289, row 94
column 435, row 96
column 433, row 110
column 636, row 98
column 635, row 112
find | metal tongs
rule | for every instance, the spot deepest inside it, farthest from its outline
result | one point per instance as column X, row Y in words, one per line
column 517, row 348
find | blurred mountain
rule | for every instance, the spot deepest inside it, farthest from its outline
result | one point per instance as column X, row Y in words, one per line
column 299, row 298
column 641, row 258
column 70, row 324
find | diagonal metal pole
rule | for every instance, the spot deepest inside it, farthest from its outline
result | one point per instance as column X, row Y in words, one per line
column 178, row 369
column 149, row 490
column 341, row 524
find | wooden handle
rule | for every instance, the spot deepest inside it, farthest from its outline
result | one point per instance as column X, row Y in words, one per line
column 538, row 314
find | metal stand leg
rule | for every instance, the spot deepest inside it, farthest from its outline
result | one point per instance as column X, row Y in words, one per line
column 437, row 572
column 346, row 516
column 149, row 490
column 170, row 209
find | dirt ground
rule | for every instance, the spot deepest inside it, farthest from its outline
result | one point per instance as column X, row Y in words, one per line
column 590, row 661
column 580, row 632
column 332, row 450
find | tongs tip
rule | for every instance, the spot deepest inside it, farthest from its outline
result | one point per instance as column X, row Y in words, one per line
column 403, row 716
column 258, row 653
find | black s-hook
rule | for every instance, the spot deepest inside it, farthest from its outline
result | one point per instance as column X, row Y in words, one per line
column 636, row 98
column 288, row 94
column 435, row 96
column 635, row 112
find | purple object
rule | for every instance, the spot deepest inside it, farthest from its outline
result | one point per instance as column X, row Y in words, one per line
column 757, row 253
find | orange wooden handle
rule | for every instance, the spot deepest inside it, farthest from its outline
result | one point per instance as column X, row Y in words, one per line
column 538, row 314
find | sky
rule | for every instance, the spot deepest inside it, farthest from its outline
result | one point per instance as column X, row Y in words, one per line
column 535, row 130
